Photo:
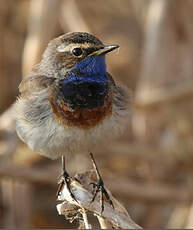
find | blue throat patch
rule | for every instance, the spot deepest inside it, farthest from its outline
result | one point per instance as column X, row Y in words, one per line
column 92, row 66
column 91, row 69
column 89, row 88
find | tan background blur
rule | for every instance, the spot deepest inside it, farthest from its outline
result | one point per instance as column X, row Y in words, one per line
column 150, row 168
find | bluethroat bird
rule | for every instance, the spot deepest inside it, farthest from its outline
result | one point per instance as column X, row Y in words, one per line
column 69, row 103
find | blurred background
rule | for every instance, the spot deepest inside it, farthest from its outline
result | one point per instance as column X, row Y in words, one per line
column 150, row 168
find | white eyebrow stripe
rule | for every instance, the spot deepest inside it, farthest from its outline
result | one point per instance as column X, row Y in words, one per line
column 68, row 48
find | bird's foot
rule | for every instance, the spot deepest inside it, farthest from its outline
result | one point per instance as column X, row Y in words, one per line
column 64, row 180
column 99, row 187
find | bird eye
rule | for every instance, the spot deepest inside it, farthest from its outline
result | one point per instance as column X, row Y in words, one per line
column 77, row 51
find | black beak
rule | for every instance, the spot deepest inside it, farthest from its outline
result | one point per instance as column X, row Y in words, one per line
column 104, row 50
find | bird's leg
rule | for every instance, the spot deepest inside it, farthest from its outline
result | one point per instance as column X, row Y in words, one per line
column 64, row 179
column 99, row 187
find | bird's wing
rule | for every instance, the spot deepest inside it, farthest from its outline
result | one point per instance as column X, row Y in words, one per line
column 34, row 83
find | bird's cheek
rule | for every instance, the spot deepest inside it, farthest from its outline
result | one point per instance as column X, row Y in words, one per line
column 65, row 61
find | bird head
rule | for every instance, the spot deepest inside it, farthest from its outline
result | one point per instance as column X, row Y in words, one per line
column 79, row 60
column 75, row 50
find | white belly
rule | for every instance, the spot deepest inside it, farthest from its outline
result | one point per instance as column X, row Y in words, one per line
column 54, row 140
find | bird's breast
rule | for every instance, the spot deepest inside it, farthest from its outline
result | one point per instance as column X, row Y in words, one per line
column 84, row 93
column 82, row 101
column 82, row 118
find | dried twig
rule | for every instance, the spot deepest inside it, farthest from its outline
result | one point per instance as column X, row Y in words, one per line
column 82, row 191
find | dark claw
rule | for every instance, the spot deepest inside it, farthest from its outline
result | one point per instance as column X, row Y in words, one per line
column 108, row 198
column 59, row 188
column 64, row 179
column 103, row 193
column 95, row 192
column 99, row 187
